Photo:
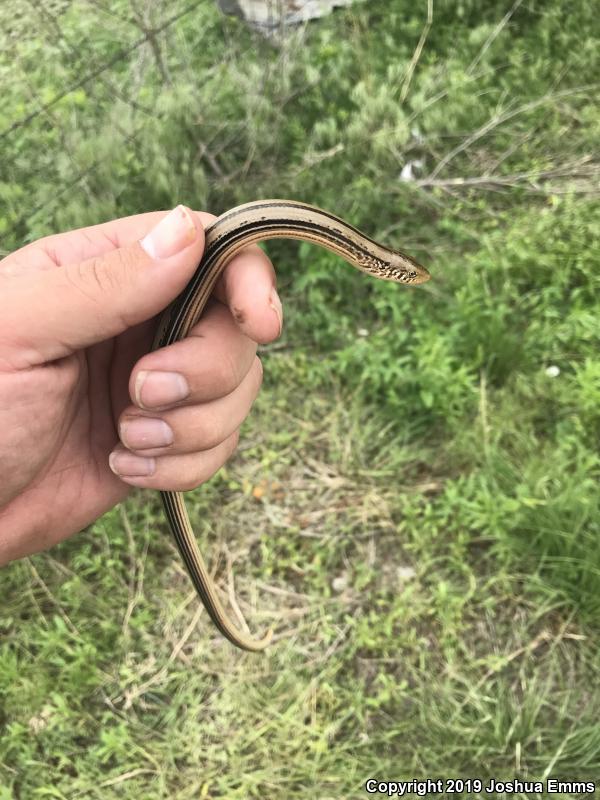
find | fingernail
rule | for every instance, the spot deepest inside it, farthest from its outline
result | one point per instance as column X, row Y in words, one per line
column 143, row 433
column 173, row 233
column 154, row 389
column 126, row 465
column 275, row 304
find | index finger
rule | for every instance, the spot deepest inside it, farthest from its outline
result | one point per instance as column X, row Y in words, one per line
column 248, row 286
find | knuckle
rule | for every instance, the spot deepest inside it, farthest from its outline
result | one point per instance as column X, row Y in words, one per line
column 83, row 277
column 191, row 483
column 94, row 273
column 258, row 369
column 198, row 469
column 233, row 442
column 199, row 473
column 210, row 429
column 124, row 270
column 100, row 275
column 226, row 373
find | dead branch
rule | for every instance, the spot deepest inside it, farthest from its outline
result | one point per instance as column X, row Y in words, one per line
column 585, row 169
column 417, row 54
column 500, row 119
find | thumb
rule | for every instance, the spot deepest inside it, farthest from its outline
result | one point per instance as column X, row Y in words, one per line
column 58, row 311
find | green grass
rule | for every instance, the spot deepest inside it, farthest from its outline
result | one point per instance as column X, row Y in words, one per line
column 414, row 502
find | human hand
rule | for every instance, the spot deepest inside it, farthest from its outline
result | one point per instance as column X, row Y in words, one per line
column 78, row 387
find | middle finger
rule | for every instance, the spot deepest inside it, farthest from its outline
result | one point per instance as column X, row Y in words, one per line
column 190, row 428
column 209, row 363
